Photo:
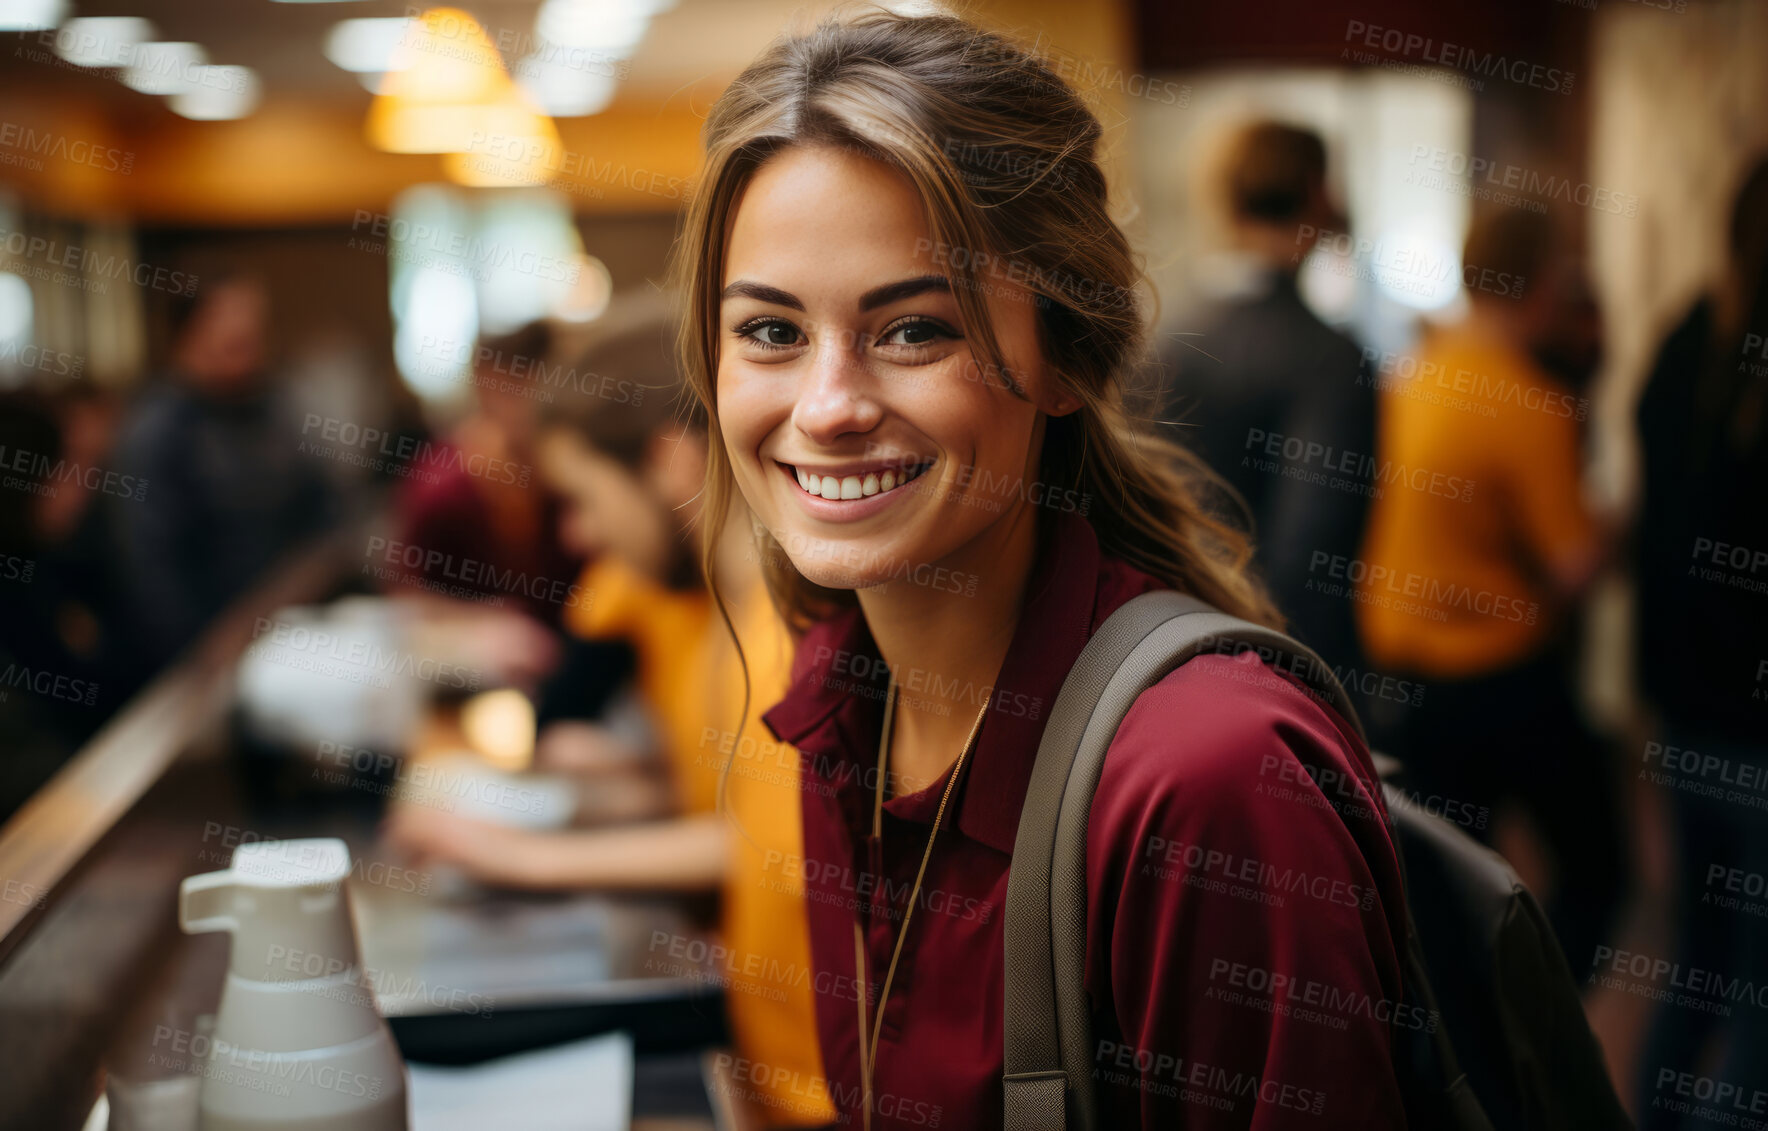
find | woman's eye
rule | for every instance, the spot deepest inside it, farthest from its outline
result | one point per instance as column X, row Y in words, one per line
column 915, row 333
column 770, row 333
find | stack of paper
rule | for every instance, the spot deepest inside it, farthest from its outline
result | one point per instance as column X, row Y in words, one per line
column 582, row 1086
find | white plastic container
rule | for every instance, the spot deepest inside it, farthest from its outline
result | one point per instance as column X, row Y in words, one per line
column 299, row 1044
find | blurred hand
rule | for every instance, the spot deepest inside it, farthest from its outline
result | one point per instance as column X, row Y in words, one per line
column 584, row 748
column 486, row 852
column 508, row 647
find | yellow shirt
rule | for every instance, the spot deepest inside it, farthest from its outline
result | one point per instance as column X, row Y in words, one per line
column 1477, row 474
column 689, row 676
column 675, row 634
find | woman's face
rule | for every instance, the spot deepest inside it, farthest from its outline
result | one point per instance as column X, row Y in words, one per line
column 860, row 430
column 608, row 508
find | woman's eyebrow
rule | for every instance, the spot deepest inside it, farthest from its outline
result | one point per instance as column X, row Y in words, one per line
column 744, row 288
column 906, row 288
column 871, row 300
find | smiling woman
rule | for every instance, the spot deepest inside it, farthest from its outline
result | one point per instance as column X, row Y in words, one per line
column 910, row 322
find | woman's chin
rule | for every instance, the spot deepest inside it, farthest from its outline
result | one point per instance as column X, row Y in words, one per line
column 835, row 574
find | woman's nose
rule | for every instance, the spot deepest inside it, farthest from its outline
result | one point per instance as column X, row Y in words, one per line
column 837, row 397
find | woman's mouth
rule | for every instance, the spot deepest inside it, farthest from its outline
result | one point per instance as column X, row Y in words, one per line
column 844, row 484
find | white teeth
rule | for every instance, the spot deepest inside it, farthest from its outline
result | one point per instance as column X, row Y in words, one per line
column 854, row 486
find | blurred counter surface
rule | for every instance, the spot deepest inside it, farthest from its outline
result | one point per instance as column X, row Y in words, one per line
column 98, row 987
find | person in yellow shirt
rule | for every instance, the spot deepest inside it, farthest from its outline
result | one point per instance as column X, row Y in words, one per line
column 1479, row 545
column 629, row 466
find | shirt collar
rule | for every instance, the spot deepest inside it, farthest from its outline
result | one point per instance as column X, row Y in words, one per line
column 834, row 706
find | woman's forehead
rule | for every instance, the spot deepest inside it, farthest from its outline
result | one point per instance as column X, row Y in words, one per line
column 828, row 214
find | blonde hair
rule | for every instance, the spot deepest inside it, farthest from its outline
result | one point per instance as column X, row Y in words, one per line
column 1004, row 157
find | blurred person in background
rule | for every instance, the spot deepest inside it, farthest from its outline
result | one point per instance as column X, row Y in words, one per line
column 629, row 460
column 1703, row 639
column 1266, row 366
column 1479, row 548
column 227, row 492
column 64, row 663
column 487, row 506
column 474, row 507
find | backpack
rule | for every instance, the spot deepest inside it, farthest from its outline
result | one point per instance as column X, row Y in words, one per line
column 1517, row 1013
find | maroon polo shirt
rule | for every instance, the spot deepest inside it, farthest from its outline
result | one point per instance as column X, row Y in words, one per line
column 1243, row 897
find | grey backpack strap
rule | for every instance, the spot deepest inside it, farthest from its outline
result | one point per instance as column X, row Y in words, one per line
column 1048, row 1039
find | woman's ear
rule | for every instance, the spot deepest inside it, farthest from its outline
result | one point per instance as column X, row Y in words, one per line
column 1063, row 404
column 1053, row 398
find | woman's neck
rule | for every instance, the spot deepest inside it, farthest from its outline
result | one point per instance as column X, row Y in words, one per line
column 946, row 648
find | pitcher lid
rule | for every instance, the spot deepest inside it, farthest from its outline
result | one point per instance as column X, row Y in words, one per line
column 292, row 863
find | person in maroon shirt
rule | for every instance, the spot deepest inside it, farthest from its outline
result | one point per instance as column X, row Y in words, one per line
column 911, row 319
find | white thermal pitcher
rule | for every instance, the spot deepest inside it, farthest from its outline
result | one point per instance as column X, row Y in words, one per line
column 298, row 1044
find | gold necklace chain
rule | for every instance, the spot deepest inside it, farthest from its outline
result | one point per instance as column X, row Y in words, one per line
column 868, row 1049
